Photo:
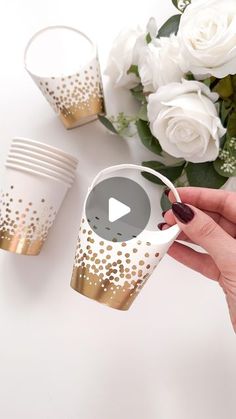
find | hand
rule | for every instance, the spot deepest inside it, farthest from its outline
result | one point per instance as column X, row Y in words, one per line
column 208, row 220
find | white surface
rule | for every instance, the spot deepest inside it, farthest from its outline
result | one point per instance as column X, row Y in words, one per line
column 62, row 356
column 117, row 210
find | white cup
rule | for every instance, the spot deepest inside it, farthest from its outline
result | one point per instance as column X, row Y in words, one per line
column 63, row 63
column 113, row 273
column 43, row 164
column 40, row 168
column 31, row 195
column 28, row 206
column 46, row 149
column 39, row 155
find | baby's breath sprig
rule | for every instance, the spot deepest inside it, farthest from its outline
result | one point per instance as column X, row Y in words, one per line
column 123, row 124
column 229, row 165
column 182, row 4
column 227, row 155
column 232, row 143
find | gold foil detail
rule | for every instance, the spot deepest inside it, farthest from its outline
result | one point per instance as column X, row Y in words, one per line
column 78, row 99
column 104, row 290
column 23, row 229
column 19, row 245
column 112, row 280
column 76, row 116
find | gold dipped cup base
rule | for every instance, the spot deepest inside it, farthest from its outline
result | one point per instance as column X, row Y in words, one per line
column 21, row 246
column 102, row 290
column 76, row 116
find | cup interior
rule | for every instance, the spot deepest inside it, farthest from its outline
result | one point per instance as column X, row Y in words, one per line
column 41, row 163
column 39, row 169
column 48, row 148
column 58, row 51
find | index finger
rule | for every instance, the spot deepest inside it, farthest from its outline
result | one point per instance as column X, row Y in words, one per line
column 216, row 200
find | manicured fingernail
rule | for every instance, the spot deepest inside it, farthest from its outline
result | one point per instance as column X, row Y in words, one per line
column 183, row 212
column 161, row 225
column 163, row 213
column 166, row 191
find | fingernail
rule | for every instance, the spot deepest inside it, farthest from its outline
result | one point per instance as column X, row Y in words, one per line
column 183, row 212
column 161, row 225
column 166, row 191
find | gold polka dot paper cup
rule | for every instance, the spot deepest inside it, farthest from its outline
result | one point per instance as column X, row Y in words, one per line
column 63, row 62
column 114, row 272
column 30, row 198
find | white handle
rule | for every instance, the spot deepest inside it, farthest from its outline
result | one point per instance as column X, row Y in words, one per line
column 32, row 39
column 136, row 167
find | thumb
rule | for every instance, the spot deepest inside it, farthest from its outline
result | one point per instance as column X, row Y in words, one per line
column 204, row 231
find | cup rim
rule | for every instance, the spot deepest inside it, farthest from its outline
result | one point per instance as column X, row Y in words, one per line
column 44, row 146
column 45, row 164
column 35, row 172
column 39, row 169
column 44, row 152
column 52, row 27
column 28, row 152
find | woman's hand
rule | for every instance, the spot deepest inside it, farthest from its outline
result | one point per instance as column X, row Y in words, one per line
column 207, row 218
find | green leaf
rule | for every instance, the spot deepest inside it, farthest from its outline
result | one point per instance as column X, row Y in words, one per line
column 138, row 94
column 171, row 172
column 189, row 76
column 147, row 138
column 133, row 70
column 181, row 5
column 142, row 114
column 148, row 38
column 204, row 175
column 231, row 127
column 225, row 109
column 169, row 27
column 107, row 123
column 165, row 203
column 233, row 78
column 207, row 82
column 224, row 87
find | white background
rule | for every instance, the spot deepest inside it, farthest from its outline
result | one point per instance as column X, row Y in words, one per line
column 62, row 356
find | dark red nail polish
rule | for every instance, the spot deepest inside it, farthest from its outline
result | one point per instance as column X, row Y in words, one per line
column 183, row 212
column 163, row 213
column 166, row 191
column 161, row 225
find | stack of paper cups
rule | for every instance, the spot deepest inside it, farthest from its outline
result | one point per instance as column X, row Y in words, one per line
column 37, row 178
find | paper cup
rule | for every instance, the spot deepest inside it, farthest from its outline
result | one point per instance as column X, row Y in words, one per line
column 48, row 150
column 40, row 169
column 29, row 203
column 43, row 157
column 113, row 273
column 43, row 164
column 24, row 169
column 63, row 63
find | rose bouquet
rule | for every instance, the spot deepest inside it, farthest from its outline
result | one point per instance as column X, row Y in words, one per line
column 183, row 77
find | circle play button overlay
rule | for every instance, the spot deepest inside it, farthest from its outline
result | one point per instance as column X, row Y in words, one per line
column 118, row 209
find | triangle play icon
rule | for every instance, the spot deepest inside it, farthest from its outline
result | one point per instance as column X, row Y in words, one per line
column 117, row 209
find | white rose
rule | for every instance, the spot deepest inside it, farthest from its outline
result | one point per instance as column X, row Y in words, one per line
column 159, row 63
column 184, row 118
column 207, row 35
column 123, row 54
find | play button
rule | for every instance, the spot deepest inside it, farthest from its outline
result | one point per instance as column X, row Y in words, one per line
column 118, row 209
